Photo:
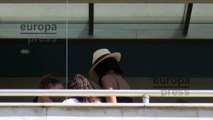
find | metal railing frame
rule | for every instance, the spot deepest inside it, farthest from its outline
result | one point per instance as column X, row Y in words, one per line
column 145, row 94
column 106, row 1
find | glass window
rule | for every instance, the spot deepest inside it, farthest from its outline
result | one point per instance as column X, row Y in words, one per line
column 202, row 13
column 139, row 13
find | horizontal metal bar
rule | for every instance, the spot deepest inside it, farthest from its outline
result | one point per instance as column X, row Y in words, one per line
column 131, row 93
column 85, row 41
column 106, row 1
column 86, row 105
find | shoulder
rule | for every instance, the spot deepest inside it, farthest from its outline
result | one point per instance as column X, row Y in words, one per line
column 107, row 81
column 107, row 77
column 44, row 99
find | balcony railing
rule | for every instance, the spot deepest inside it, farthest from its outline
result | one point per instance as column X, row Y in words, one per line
column 145, row 94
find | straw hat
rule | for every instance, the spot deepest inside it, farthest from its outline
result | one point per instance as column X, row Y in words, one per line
column 100, row 55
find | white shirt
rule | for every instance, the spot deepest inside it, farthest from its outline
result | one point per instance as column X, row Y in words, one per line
column 71, row 100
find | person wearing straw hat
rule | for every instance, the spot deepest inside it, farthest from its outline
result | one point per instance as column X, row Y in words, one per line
column 105, row 67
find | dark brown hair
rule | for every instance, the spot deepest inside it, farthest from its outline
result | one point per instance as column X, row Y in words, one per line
column 46, row 80
column 79, row 81
column 106, row 65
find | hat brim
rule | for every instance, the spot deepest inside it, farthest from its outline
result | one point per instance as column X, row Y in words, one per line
column 116, row 55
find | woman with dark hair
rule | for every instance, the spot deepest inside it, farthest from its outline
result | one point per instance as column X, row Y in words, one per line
column 49, row 82
column 78, row 81
column 107, row 69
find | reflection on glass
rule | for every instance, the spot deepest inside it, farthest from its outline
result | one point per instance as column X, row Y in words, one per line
column 202, row 13
column 56, row 13
column 139, row 13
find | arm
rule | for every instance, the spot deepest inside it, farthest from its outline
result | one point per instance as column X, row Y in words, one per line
column 107, row 84
column 44, row 99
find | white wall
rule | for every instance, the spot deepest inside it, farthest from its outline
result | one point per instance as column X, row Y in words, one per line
column 106, row 112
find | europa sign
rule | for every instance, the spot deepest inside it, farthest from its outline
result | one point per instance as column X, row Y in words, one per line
column 171, row 82
column 38, row 28
column 172, row 86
